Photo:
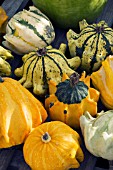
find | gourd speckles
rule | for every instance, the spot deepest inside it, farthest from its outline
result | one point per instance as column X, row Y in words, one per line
column 92, row 45
column 69, row 99
column 45, row 64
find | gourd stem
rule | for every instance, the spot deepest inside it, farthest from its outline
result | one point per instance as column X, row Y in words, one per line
column 46, row 137
column 74, row 79
column 100, row 29
column 1, row 79
column 42, row 52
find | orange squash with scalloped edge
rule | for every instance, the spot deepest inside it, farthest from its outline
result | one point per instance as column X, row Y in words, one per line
column 71, row 98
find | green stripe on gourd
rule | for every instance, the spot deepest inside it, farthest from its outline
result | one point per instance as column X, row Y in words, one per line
column 92, row 45
column 27, row 31
column 54, row 52
column 39, row 14
column 41, row 66
column 31, row 27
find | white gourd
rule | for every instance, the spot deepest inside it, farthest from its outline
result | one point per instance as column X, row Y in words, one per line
column 98, row 133
column 27, row 31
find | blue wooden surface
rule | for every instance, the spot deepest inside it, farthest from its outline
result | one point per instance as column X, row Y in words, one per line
column 12, row 158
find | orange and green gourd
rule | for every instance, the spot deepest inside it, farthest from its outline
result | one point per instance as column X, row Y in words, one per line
column 71, row 98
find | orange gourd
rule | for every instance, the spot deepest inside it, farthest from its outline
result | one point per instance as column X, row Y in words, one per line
column 103, row 81
column 20, row 112
column 71, row 98
column 53, row 146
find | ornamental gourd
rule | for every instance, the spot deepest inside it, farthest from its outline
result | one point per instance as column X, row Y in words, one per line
column 53, row 146
column 103, row 81
column 71, row 98
column 92, row 45
column 28, row 30
column 20, row 112
column 5, row 67
column 45, row 64
column 98, row 133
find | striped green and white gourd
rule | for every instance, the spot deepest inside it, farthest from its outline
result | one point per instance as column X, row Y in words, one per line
column 28, row 30
column 92, row 45
column 44, row 65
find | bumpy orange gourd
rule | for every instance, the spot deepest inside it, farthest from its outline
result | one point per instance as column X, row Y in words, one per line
column 53, row 146
column 103, row 81
column 71, row 98
column 20, row 112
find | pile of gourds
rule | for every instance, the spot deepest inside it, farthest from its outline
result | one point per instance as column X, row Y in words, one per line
column 71, row 89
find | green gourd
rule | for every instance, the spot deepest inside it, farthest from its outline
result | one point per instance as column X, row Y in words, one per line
column 93, row 44
column 45, row 64
column 68, row 13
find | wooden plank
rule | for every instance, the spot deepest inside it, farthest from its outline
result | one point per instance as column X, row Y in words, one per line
column 18, row 161
column 6, row 156
column 107, row 13
column 99, row 168
column 12, row 6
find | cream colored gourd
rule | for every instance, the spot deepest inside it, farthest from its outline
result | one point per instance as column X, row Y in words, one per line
column 98, row 133
column 28, row 30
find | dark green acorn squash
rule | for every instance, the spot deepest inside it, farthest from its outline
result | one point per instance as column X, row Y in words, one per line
column 71, row 90
column 92, row 45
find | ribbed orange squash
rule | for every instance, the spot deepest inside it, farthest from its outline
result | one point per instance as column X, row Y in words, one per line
column 20, row 112
column 53, row 146
column 103, row 81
